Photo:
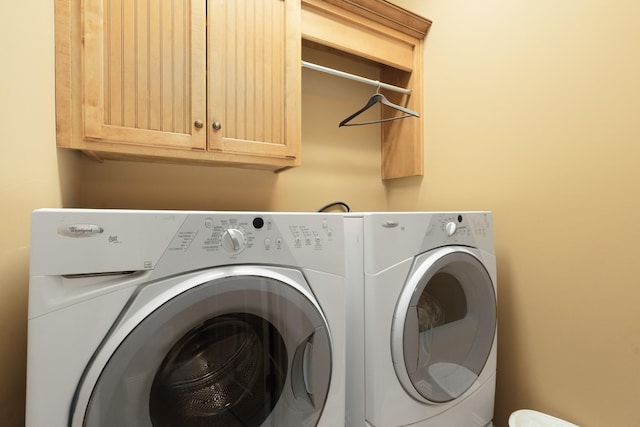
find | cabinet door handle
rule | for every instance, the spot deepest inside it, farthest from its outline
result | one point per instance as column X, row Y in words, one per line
column 216, row 125
column 198, row 124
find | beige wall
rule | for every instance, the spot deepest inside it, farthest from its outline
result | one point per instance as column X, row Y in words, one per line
column 530, row 111
column 31, row 176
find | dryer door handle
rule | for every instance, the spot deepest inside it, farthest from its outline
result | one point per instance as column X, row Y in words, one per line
column 411, row 341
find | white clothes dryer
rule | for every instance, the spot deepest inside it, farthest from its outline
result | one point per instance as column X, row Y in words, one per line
column 421, row 323
column 177, row 318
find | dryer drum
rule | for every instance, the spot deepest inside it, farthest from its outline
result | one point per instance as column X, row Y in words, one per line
column 229, row 371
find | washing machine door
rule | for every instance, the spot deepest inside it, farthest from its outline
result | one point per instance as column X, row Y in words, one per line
column 233, row 347
column 444, row 324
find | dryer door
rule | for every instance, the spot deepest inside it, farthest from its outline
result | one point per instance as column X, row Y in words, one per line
column 235, row 347
column 444, row 324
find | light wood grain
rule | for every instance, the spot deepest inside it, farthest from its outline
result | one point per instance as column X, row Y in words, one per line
column 133, row 77
column 138, row 72
column 131, row 80
column 253, row 92
column 388, row 15
column 391, row 36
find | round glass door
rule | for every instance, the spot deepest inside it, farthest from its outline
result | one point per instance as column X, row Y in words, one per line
column 444, row 326
column 231, row 369
column 238, row 351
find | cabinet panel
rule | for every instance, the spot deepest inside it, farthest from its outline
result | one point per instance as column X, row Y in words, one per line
column 254, row 76
column 132, row 80
column 144, row 72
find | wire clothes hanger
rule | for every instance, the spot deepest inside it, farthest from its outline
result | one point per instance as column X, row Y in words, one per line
column 378, row 98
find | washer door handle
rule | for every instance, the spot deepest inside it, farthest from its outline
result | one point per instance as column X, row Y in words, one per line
column 311, row 369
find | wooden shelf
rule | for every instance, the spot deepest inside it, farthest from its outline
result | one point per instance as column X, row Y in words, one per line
column 393, row 37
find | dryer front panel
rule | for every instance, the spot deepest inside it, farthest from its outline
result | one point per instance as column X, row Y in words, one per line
column 236, row 346
column 444, row 324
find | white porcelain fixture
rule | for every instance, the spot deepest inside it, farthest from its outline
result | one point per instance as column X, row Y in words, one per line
column 529, row 418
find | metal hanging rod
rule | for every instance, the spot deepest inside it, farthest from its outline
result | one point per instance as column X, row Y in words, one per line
column 349, row 76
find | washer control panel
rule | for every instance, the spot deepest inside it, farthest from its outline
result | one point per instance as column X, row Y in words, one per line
column 269, row 237
column 86, row 241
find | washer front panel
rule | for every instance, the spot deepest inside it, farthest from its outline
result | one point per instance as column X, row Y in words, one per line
column 238, row 346
column 444, row 325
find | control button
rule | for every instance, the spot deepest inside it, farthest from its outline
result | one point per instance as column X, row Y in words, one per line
column 208, row 222
column 450, row 228
column 258, row 223
column 267, row 242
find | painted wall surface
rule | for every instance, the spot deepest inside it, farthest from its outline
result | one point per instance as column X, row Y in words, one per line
column 32, row 175
column 530, row 111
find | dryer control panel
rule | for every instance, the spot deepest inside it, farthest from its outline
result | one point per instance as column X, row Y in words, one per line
column 465, row 228
column 395, row 236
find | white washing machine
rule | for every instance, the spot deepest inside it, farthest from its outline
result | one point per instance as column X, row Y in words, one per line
column 175, row 318
column 421, row 324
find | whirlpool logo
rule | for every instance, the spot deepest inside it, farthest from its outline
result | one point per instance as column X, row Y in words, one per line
column 80, row 230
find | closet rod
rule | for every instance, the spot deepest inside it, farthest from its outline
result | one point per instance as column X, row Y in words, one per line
column 338, row 73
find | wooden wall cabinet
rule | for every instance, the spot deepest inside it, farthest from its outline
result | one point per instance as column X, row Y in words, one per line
column 392, row 37
column 209, row 81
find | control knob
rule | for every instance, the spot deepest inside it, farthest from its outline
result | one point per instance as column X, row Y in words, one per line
column 450, row 228
column 233, row 241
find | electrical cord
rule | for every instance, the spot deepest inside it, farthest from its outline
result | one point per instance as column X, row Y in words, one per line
column 330, row 205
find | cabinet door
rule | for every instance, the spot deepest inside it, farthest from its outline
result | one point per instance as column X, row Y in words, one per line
column 254, row 77
column 144, row 72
